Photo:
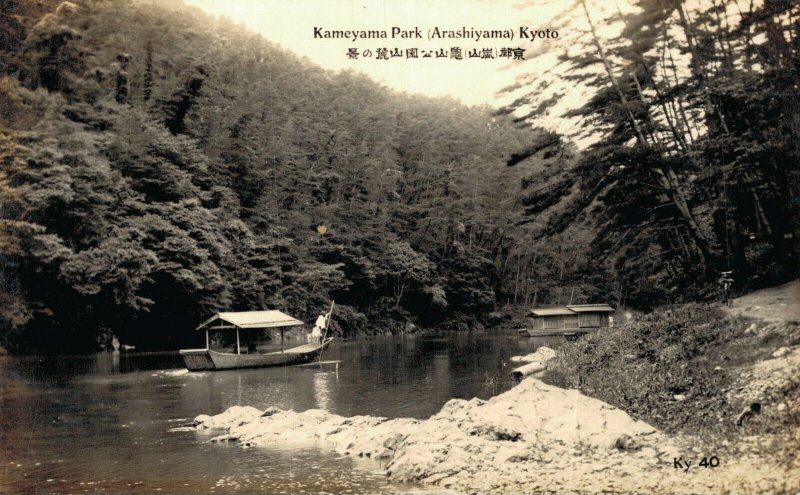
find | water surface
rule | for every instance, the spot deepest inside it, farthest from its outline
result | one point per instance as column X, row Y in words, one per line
column 101, row 423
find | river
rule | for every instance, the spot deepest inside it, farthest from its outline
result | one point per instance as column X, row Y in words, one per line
column 111, row 422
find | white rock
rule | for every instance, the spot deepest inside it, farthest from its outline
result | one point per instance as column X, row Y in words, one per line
column 202, row 421
column 542, row 355
column 679, row 397
column 468, row 445
column 782, row 351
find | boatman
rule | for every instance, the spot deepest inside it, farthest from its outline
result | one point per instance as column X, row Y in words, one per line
column 319, row 326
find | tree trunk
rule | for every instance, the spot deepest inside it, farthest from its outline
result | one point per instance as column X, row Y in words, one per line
column 672, row 189
column 698, row 70
column 623, row 100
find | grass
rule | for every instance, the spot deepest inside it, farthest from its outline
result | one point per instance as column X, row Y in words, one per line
column 694, row 351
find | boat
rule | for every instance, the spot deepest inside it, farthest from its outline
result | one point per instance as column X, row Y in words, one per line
column 208, row 359
column 568, row 321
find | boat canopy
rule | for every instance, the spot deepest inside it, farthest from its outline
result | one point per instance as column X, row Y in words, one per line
column 552, row 312
column 254, row 319
column 591, row 308
column 572, row 309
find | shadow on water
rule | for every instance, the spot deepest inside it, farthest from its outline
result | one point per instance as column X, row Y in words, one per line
column 100, row 423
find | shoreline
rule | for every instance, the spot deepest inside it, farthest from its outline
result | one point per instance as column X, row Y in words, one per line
column 533, row 438
column 549, row 437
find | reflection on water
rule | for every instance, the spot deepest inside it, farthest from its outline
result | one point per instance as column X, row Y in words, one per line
column 102, row 423
column 322, row 389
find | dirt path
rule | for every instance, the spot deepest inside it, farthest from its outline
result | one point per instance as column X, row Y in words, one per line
column 775, row 304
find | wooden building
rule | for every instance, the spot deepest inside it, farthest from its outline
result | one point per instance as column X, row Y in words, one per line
column 567, row 320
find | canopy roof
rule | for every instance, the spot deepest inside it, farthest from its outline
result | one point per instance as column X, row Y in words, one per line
column 586, row 308
column 255, row 319
column 551, row 311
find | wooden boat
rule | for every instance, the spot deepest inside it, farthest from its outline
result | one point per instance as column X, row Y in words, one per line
column 209, row 359
column 568, row 321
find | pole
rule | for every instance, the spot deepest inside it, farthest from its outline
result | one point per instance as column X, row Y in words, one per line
column 207, row 347
column 238, row 347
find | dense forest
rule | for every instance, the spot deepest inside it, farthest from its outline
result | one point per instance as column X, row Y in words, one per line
column 691, row 120
column 158, row 165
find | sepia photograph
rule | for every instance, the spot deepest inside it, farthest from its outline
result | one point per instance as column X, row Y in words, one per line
column 400, row 247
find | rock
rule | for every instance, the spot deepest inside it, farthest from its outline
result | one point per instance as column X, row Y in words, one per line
column 751, row 329
column 224, row 438
column 201, row 421
column 386, row 454
column 649, row 452
column 748, row 412
column 494, row 432
column 782, row 351
column 626, row 442
column 781, row 406
column 679, row 397
column 270, row 411
column 233, row 416
column 717, row 368
column 471, row 445
column 391, row 443
column 542, row 355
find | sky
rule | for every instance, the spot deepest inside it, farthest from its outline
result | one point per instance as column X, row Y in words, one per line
column 473, row 81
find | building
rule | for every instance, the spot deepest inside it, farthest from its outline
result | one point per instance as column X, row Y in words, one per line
column 572, row 319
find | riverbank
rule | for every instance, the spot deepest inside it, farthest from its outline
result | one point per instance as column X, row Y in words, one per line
column 535, row 438
column 687, row 370
column 727, row 376
column 700, row 385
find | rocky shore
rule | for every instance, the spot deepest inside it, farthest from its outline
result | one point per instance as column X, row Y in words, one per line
column 535, row 438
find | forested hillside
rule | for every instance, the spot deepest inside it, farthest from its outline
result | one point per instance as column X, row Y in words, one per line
column 692, row 113
column 158, row 165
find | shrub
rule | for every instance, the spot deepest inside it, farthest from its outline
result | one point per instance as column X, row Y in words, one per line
column 641, row 367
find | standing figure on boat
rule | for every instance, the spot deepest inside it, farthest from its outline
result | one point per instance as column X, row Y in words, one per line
column 319, row 326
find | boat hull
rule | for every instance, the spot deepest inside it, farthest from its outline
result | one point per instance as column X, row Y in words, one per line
column 565, row 332
column 208, row 360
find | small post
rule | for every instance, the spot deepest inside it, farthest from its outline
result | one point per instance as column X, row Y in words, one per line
column 207, row 346
column 238, row 347
column 281, row 339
